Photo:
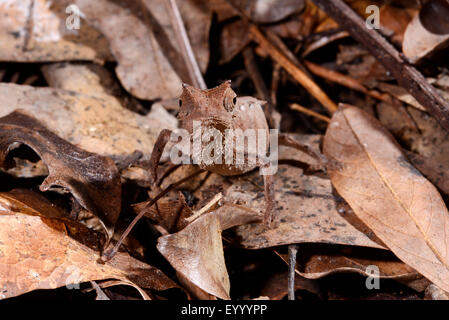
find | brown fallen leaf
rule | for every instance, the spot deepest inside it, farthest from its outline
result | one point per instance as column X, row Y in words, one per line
column 430, row 140
column 201, row 262
column 419, row 42
column 436, row 172
column 148, row 61
column 93, row 180
column 306, row 211
column 94, row 124
column 39, row 252
column 48, row 41
column 315, row 262
column 369, row 170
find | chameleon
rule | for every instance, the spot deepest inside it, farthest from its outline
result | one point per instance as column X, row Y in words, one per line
column 219, row 108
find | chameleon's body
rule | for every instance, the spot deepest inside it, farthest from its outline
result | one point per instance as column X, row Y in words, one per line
column 220, row 109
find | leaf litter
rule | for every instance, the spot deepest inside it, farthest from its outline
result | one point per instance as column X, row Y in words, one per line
column 82, row 110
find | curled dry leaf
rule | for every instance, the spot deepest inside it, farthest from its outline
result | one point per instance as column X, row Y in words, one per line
column 196, row 252
column 49, row 39
column 317, row 261
column 97, row 125
column 149, row 65
column 420, row 42
column 93, row 180
column 404, row 210
column 39, row 252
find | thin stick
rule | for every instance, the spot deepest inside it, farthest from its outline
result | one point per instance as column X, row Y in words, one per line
column 406, row 75
column 108, row 255
column 206, row 208
column 344, row 80
column 186, row 48
column 294, row 71
column 298, row 107
column 292, row 251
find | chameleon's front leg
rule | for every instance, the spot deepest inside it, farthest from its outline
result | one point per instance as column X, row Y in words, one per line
column 156, row 154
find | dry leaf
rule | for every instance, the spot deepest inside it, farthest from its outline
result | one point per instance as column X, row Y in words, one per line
column 430, row 140
column 306, row 211
column 200, row 261
column 93, row 180
column 38, row 252
column 403, row 209
column 49, row 40
column 143, row 42
column 314, row 262
column 94, row 124
column 435, row 171
column 420, row 42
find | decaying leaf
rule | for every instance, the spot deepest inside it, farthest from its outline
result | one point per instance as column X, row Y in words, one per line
column 142, row 41
column 403, row 209
column 318, row 261
column 306, row 211
column 49, row 39
column 436, row 172
column 420, row 42
column 201, row 261
column 93, row 180
column 39, row 252
column 430, row 140
column 94, row 124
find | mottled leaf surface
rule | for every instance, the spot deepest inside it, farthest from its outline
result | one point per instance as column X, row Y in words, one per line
column 404, row 210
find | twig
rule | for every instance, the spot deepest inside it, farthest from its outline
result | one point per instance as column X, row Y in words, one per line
column 206, row 208
column 100, row 293
column 186, row 48
column 291, row 68
column 406, row 75
column 297, row 107
column 292, row 251
column 344, row 80
column 109, row 254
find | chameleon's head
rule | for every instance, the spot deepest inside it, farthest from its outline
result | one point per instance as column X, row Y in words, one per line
column 213, row 107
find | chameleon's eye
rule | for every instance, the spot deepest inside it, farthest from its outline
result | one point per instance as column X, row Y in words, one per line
column 180, row 103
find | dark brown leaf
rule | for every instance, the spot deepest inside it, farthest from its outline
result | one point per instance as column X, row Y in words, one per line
column 93, row 180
